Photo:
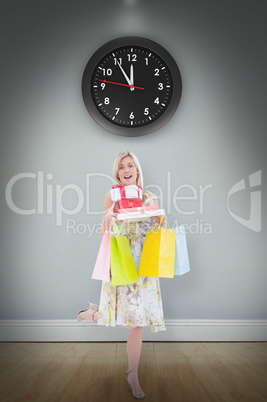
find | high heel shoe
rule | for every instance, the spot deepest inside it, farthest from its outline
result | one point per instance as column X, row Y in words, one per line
column 137, row 395
column 85, row 314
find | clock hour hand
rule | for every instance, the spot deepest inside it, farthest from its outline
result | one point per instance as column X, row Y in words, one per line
column 132, row 76
column 126, row 76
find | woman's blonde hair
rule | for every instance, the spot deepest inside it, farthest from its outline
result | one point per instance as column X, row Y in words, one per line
column 140, row 181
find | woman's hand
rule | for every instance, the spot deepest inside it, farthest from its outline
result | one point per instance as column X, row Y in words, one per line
column 109, row 218
column 157, row 218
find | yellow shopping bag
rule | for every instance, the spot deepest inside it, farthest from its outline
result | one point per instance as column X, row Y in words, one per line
column 158, row 254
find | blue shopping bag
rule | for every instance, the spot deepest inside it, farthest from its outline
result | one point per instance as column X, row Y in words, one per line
column 181, row 263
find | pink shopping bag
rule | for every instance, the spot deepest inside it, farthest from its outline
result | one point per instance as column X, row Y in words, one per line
column 102, row 265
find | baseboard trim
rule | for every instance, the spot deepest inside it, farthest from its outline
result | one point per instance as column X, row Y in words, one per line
column 176, row 330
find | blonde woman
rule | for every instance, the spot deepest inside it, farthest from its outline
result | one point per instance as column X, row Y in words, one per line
column 139, row 304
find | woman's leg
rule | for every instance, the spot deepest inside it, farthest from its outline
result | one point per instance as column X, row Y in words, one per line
column 134, row 345
column 88, row 314
column 96, row 316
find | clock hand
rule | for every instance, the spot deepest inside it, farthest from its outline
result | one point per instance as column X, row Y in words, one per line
column 126, row 76
column 132, row 76
column 118, row 83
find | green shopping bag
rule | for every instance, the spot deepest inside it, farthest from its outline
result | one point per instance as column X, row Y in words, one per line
column 123, row 269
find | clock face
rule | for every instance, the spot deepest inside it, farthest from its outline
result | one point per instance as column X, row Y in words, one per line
column 131, row 86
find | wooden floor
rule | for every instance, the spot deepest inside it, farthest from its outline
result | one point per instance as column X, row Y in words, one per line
column 168, row 372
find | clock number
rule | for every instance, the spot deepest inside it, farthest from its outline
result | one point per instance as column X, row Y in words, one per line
column 118, row 61
column 131, row 115
column 109, row 71
column 146, row 59
column 146, row 111
column 106, row 101
column 103, row 85
column 156, row 100
column 160, row 87
column 132, row 57
column 156, row 71
column 117, row 110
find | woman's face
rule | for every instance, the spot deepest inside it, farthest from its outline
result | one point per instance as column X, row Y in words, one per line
column 127, row 171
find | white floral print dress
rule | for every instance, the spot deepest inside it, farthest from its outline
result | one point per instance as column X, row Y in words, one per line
column 137, row 304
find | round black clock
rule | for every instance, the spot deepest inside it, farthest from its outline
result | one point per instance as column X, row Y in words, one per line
column 131, row 86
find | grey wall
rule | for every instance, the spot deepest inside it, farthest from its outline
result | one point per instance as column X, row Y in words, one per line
column 216, row 139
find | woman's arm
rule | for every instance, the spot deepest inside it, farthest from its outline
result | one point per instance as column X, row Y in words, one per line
column 108, row 210
column 108, row 214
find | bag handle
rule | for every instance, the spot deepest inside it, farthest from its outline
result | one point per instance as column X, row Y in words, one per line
column 117, row 229
column 160, row 222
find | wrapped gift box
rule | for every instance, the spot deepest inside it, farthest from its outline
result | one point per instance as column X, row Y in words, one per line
column 138, row 209
column 140, row 215
column 130, row 204
column 127, row 196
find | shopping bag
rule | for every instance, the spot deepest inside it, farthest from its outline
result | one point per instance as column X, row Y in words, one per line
column 181, row 264
column 102, row 266
column 158, row 254
column 123, row 268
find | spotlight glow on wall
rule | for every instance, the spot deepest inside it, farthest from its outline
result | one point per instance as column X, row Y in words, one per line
column 131, row 2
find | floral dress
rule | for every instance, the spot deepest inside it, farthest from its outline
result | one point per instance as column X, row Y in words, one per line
column 139, row 303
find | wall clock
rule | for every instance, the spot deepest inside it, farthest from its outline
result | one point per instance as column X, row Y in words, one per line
column 131, row 86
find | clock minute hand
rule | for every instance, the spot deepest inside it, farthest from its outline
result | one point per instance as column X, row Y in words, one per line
column 125, row 75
